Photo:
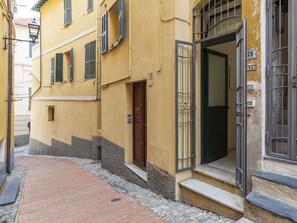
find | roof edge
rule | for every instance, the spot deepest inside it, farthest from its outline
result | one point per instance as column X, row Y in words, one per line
column 38, row 5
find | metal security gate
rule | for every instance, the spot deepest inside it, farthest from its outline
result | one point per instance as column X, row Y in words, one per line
column 281, row 79
column 241, row 109
column 185, row 106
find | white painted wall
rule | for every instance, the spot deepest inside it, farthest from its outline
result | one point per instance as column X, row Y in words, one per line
column 22, row 81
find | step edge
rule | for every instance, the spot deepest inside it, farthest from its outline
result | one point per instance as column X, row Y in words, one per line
column 271, row 200
column 241, row 210
column 276, row 178
column 17, row 191
column 219, row 178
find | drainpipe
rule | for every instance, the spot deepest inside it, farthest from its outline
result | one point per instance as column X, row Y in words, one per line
column 9, row 97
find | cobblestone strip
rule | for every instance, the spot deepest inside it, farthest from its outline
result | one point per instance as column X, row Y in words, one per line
column 8, row 213
column 169, row 210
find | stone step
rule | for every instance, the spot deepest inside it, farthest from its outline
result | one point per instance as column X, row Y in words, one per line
column 10, row 192
column 245, row 220
column 2, row 182
column 211, row 198
column 274, row 165
column 217, row 178
column 262, row 209
column 268, row 183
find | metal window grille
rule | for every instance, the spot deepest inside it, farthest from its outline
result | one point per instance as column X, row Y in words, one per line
column 281, row 76
column 185, row 106
column 241, row 107
column 216, row 17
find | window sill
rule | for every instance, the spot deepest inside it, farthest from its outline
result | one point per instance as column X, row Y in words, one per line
column 113, row 46
column 68, row 24
column 89, row 78
column 90, row 11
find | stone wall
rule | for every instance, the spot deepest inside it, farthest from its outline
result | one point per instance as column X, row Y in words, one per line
column 160, row 182
column 113, row 159
column 79, row 148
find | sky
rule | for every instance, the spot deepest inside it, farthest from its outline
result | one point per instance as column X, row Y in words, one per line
column 24, row 9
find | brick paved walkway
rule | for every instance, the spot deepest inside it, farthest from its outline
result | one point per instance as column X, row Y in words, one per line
column 58, row 190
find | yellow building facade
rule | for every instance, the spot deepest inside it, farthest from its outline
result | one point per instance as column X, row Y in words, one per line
column 4, row 32
column 66, row 98
column 194, row 101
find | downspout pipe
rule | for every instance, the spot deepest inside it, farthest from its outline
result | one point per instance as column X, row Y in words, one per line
column 9, row 95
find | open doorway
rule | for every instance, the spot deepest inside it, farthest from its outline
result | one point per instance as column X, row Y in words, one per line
column 219, row 104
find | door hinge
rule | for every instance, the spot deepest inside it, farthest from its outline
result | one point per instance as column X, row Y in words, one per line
column 267, row 137
column 267, row 70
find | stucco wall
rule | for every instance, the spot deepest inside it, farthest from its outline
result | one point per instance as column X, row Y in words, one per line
column 4, row 80
column 76, row 106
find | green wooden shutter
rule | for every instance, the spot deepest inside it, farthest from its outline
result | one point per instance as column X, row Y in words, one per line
column 104, row 33
column 93, row 59
column 69, row 12
column 121, row 20
column 65, row 12
column 90, row 5
column 52, row 70
column 59, row 67
column 87, row 60
column 71, row 65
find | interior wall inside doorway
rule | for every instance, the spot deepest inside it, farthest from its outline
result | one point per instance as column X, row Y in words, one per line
column 229, row 49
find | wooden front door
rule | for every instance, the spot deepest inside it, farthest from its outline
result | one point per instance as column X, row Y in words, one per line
column 139, row 124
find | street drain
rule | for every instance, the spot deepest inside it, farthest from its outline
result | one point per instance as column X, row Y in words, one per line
column 115, row 199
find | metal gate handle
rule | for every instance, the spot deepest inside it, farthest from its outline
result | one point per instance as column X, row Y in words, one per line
column 294, row 84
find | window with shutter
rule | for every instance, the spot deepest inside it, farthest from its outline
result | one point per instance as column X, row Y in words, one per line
column 67, row 12
column 90, row 5
column 121, row 20
column 59, row 67
column 52, row 70
column 87, row 60
column 113, row 26
column 104, row 34
column 71, row 66
column 90, row 60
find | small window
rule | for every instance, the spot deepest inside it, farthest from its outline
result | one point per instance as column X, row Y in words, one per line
column 69, row 65
column 30, row 49
column 67, row 12
column 90, row 5
column 51, row 113
column 113, row 24
column 90, row 60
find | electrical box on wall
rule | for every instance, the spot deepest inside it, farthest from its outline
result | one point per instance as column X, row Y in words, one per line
column 129, row 118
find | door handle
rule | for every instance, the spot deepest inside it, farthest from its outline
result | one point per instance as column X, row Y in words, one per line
column 294, row 84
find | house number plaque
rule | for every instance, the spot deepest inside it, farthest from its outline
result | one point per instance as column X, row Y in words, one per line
column 252, row 54
column 251, row 67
